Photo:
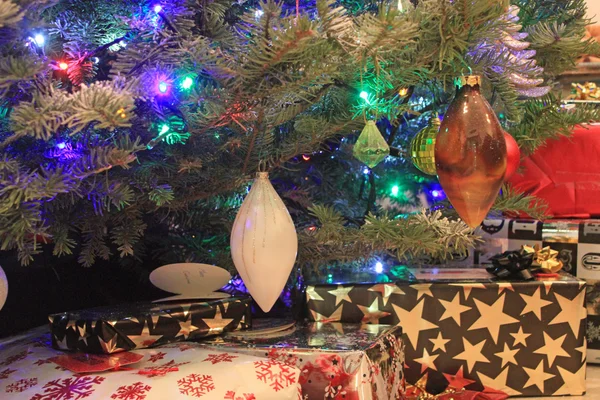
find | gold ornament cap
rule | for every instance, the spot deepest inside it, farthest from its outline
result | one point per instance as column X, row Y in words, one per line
column 435, row 121
column 470, row 80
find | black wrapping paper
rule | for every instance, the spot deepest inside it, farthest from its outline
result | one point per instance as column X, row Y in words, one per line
column 140, row 325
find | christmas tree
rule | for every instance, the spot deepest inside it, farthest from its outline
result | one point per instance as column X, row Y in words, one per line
column 133, row 128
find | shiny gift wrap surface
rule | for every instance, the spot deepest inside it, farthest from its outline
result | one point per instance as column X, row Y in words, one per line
column 461, row 326
column 134, row 326
column 174, row 372
column 337, row 361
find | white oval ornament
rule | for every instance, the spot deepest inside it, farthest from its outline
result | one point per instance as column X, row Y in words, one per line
column 3, row 288
column 191, row 280
column 264, row 243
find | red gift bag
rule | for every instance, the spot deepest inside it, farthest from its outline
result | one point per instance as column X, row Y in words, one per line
column 565, row 173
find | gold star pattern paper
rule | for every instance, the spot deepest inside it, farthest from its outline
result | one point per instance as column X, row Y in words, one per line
column 372, row 314
column 492, row 317
column 83, row 334
column 453, row 309
column 520, row 337
column 583, row 350
column 61, row 344
column 571, row 312
column 412, row 322
column 499, row 382
column 552, row 348
column 537, row 376
column 467, row 287
column 534, row 303
column 573, row 383
column 311, row 294
column 341, row 294
column 186, row 327
column 507, row 355
column 439, row 343
column 423, row 289
column 110, row 346
column 216, row 324
column 427, row 361
column 335, row 316
column 472, row 354
column 458, row 380
column 145, row 339
column 502, row 286
column 386, row 290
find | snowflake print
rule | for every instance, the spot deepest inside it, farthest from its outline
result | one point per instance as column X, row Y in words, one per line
column 43, row 361
column 230, row 395
column 161, row 370
column 185, row 347
column 196, row 385
column 276, row 375
column 282, row 355
column 60, row 368
column 17, row 357
column 593, row 332
column 75, row 388
column 5, row 374
column 137, row 391
column 21, row 385
column 158, row 356
column 218, row 358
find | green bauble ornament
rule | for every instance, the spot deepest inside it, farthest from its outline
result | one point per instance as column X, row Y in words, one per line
column 422, row 147
column 371, row 148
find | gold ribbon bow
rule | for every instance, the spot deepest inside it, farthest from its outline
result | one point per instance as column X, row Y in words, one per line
column 587, row 91
column 545, row 258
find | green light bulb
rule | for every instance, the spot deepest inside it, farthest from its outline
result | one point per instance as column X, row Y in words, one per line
column 187, row 83
column 164, row 129
column 364, row 95
column 395, row 190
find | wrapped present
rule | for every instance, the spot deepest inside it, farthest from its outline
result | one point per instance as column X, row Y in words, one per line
column 337, row 361
column 464, row 328
column 140, row 325
column 565, row 173
column 577, row 244
column 28, row 371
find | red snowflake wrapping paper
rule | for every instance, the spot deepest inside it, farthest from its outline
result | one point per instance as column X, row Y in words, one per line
column 337, row 360
column 175, row 371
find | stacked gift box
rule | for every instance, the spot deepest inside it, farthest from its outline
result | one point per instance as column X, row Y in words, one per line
column 577, row 243
column 465, row 329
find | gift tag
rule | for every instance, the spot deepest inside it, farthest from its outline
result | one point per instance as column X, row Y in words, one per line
column 190, row 281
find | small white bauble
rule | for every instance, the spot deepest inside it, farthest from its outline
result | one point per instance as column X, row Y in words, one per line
column 264, row 243
column 3, row 288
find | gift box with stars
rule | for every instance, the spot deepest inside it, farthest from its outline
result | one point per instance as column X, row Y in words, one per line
column 336, row 360
column 464, row 329
column 140, row 325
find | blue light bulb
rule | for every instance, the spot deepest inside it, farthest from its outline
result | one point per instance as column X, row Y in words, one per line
column 163, row 87
column 157, row 8
column 39, row 39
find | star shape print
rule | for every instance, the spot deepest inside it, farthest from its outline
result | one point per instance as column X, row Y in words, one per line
column 427, row 361
column 467, row 287
column 341, row 294
column 552, row 348
column 537, row 376
column 534, row 303
column 453, row 309
column 472, row 354
column 573, row 383
column 439, row 343
column 520, row 337
column 386, row 290
column 458, row 380
column 372, row 314
column 186, row 328
column 218, row 323
column 412, row 322
column 571, row 312
column 335, row 316
column 507, row 355
column 492, row 317
column 498, row 383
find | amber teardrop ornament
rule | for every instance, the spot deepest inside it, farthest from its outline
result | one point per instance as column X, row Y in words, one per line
column 470, row 153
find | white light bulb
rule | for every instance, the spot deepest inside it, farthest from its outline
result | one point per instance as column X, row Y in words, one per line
column 379, row 267
column 258, row 14
column 39, row 39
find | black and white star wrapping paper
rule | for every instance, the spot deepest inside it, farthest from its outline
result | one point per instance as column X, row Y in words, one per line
column 524, row 338
column 140, row 325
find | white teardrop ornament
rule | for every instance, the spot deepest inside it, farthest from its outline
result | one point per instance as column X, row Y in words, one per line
column 264, row 243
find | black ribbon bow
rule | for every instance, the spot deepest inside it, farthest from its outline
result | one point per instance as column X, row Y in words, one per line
column 512, row 265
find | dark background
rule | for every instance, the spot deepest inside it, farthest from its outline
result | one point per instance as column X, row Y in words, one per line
column 51, row 285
